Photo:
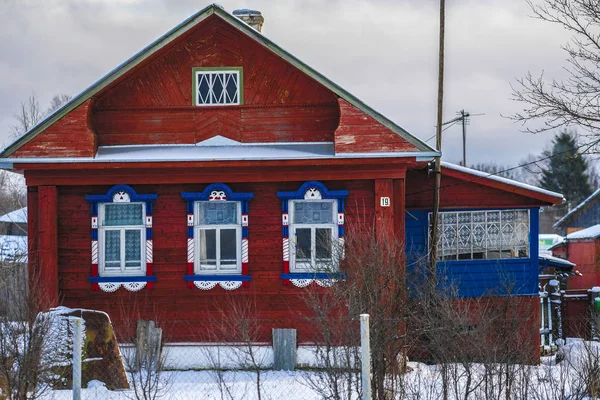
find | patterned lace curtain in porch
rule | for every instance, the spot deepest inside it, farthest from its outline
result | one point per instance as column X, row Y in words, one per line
column 484, row 234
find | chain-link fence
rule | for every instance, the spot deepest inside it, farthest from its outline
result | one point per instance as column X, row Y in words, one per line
column 149, row 367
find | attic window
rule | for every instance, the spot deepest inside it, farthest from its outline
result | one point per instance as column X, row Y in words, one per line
column 218, row 86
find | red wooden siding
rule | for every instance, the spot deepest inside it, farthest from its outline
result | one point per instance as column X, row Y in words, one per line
column 294, row 107
column 68, row 137
column 186, row 313
column 586, row 255
column 458, row 193
column 359, row 132
column 189, row 125
column 47, row 245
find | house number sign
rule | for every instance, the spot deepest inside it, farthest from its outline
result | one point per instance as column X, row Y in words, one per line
column 384, row 201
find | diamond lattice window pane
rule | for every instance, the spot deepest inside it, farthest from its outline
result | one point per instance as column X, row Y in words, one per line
column 313, row 212
column 218, row 213
column 217, row 87
column 123, row 214
column 203, row 88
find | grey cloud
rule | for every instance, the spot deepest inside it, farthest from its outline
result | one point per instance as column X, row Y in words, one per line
column 384, row 52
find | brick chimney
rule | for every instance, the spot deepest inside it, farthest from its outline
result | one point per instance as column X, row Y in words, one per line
column 251, row 17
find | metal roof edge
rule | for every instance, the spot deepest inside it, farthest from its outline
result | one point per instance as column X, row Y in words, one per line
column 66, row 160
column 507, row 181
column 177, row 31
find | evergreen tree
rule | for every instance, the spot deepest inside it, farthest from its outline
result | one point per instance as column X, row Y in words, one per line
column 567, row 171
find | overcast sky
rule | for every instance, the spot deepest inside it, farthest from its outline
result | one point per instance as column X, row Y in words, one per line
column 382, row 51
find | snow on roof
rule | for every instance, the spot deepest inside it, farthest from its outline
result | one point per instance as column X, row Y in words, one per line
column 225, row 150
column 556, row 260
column 588, row 233
column 576, row 209
column 501, row 179
column 13, row 248
column 17, row 216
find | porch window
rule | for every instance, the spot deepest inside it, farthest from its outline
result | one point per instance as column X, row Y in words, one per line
column 218, row 86
column 313, row 231
column 122, row 231
column 494, row 234
column 219, row 232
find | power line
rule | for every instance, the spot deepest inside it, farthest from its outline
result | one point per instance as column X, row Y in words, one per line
column 449, row 126
column 590, row 145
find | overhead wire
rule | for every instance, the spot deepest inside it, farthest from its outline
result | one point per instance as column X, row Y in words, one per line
column 454, row 123
column 589, row 145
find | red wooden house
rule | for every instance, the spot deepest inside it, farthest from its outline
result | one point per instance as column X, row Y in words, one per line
column 215, row 161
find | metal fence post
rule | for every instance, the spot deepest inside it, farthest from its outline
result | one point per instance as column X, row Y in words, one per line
column 77, row 332
column 365, row 357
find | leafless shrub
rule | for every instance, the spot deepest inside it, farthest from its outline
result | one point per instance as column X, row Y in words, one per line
column 145, row 359
column 238, row 323
column 34, row 352
column 373, row 283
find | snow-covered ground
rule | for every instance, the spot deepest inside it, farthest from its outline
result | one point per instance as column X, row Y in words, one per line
column 567, row 379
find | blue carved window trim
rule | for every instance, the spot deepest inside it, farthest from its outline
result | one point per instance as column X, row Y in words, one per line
column 308, row 191
column 124, row 194
column 216, row 192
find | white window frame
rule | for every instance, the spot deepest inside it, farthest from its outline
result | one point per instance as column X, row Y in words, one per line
column 210, row 72
column 238, row 231
column 101, row 242
column 485, row 250
column 314, row 266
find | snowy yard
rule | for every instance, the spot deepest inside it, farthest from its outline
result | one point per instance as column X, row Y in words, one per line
column 571, row 378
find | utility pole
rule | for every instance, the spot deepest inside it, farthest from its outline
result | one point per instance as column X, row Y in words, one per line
column 433, row 255
column 463, row 116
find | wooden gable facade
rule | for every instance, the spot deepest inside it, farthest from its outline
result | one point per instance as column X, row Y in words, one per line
column 137, row 137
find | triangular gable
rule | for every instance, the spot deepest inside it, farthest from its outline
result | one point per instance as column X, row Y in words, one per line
column 407, row 142
column 501, row 183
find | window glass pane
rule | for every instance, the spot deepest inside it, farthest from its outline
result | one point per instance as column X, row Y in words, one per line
column 120, row 214
column 112, row 249
column 208, row 248
column 218, row 213
column 133, row 249
column 228, row 249
column 323, row 244
column 203, row 88
column 313, row 212
column 217, row 87
column 303, row 245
